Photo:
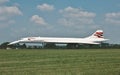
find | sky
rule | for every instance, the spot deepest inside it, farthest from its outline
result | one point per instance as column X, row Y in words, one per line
column 59, row 18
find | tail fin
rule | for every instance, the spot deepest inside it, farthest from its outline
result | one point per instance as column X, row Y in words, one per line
column 97, row 34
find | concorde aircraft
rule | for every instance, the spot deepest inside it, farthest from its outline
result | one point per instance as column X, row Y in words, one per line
column 95, row 38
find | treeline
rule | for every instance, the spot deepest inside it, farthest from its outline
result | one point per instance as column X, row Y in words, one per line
column 16, row 46
column 54, row 46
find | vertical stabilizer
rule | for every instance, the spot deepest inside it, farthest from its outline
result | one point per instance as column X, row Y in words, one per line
column 97, row 34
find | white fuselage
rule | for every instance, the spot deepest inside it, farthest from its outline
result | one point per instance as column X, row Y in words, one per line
column 62, row 40
column 95, row 38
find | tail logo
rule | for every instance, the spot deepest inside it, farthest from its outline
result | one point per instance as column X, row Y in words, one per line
column 99, row 34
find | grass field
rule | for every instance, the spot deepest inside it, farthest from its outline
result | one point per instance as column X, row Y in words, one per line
column 60, row 62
